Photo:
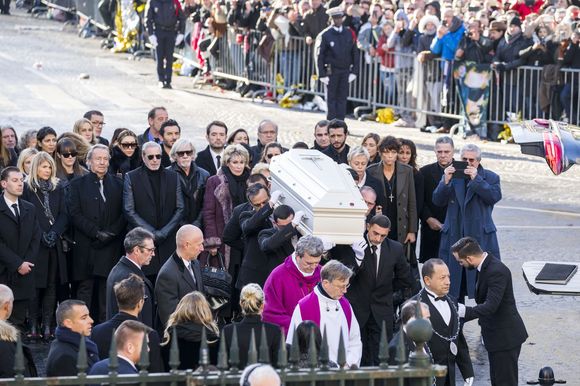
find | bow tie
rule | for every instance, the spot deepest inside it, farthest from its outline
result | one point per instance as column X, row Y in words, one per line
column 436, row 298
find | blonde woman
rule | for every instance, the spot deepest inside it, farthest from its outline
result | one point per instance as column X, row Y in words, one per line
column 25, row 160
column 191, row 316
column 50, row 270
column 84, row 128
column 252, row 306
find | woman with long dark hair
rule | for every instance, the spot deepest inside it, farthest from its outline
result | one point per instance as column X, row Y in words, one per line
column 50, row 269
column 67, row 163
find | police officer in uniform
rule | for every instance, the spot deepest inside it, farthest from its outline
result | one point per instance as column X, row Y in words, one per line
column 338, row 59
column 165, row 22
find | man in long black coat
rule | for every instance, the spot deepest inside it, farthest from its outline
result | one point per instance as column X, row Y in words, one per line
column 139, row 249
column 502, row 328
column 371, row 289
column 19, row 242
column 152, row 200
column 433, row 216
column 277, row 242
column 99, row 226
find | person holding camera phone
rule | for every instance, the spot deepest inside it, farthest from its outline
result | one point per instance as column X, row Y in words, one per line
column 470, row 192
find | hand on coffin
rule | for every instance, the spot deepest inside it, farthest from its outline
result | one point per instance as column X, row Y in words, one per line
column 298, row 216
column 275, row 196
column 328, row 244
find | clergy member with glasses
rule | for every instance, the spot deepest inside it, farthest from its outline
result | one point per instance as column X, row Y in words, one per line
column 152, row 199
column 470, row 195
column 331, row 311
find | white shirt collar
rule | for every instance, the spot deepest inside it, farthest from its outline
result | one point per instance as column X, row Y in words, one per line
column 137, row 265
column 127, row 359
column 298, row 267
column 187, row 263
column 482, row 260
column 10, row 203
column 337, row 29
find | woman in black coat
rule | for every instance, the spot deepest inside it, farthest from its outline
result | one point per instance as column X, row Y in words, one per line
column 252, row 305
column 191, row 316
column 50, row 271
column 125, row 154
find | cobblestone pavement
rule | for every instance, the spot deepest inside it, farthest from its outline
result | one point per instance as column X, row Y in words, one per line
column 538, row 218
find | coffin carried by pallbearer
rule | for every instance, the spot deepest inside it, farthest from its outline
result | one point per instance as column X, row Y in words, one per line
column 325, row 191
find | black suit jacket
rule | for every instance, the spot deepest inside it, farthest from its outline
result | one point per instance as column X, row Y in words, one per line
column 103, row 333
column 430, row 239
column 244, row 330
column 102, row 367
column 205, row 161
column 19, row 242
column 439, row 348
column 394, row 347
column 255, row 265
column 140, row 210
column 121, row 271
column 173, row 283
column 234, row 238
column 276, row 243
column 90, row 214
column 62, row 359
column 502, row 327
column 371, row 293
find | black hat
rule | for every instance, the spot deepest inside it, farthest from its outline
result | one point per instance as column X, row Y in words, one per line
column 516, row 21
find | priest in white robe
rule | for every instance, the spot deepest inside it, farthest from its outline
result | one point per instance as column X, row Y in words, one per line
column 329, row 309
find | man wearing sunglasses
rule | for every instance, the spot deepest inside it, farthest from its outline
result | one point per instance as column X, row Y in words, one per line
column 470, row 195
column 153, row 200
column 95, row 203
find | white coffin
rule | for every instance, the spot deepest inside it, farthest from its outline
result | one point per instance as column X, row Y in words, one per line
column 312, row 182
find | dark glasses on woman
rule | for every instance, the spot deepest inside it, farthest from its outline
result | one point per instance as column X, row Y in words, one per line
column 130, row 145
column 72, row 154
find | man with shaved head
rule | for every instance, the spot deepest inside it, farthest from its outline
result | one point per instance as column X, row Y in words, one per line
column 181, row 273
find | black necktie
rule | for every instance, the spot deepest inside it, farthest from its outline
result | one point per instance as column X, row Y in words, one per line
column 218, row 160
column 16, row 212
column 374, row 257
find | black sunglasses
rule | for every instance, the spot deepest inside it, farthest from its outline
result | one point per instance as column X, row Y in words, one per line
column 184, row 153
column 271, row 155
column 131, row 145
column 69, row 155
column 151, row 156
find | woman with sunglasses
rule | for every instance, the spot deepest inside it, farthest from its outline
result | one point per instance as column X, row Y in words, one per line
column 46, row 140
column 125, row 155
column 192, row 177
column 224, row 191
column 67, row 163
column 44, row 191
column 270, row 151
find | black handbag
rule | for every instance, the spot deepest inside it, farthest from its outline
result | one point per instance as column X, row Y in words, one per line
column 217, row 281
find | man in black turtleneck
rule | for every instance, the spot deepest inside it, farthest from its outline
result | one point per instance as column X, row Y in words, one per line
column 153, row 200
column 338, row 149
column 321, row 139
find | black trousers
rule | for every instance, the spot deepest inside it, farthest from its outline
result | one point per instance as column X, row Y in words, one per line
column 18, row 316
column 336, row 94
column 503, row 367
column 94, row 289
column 371, row 336
column 5, row 6
column 165, row 48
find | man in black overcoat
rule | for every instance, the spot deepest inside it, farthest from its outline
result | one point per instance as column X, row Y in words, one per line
column 210, row 158
column 152, row 200
column 278, row 242
column 433, row 216
column 95, row 204
column 19, row 243
column 447, row 345
column 139, row 249
column 378, row 264
column 502, row 328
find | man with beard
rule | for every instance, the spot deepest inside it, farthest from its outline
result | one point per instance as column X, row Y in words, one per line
column 502, row 328
column 152, row 199
column 433, row 216
column 321, row 140
column 338, row 149
column 170, row 132
column 210, row 158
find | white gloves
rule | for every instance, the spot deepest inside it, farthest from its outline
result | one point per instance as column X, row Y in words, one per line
column 324, row 80
column 153, row 41
column 328, row 244
column 298, row 216
column 178, row 39
column 468, row 382
column 275, row 196
column 351, row 77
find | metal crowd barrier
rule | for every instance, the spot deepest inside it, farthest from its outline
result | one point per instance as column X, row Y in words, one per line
column 417, row 371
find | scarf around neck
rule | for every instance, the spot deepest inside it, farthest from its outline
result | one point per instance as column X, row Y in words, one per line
column 66, row 335
column 237, row 185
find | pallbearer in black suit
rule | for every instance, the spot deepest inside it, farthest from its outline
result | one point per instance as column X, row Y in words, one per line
column 95, row 204
column 447, row 345
column 19, row 242
column 408, row 314
column 433, row 216
column 378, row 264
column 139, row 249
column 337, row 63
column 210, row 158
column 502, row 327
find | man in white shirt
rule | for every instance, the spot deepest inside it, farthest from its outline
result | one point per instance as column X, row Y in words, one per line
column 330, row 310
column 210, row 158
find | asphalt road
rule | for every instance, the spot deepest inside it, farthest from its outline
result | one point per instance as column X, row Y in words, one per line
column 537, row 219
